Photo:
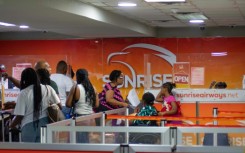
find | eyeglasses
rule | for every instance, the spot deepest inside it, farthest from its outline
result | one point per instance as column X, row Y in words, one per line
column 121, row 77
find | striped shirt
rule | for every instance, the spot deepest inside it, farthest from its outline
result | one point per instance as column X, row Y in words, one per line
column 117, row 95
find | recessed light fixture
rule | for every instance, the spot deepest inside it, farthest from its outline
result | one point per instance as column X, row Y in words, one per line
column 196, row 21
column 168, row 1
column 190, row 16
column 219, row 54
column 7, row 24
column 23, row 26
column 127, row 4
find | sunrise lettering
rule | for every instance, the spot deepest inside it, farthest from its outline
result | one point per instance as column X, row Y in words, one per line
column 155, row 80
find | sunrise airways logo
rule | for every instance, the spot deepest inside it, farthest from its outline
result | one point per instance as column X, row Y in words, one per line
column 137, row 80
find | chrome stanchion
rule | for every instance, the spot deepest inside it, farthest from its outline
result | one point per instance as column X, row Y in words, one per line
column 73, row 133
column 127, row 125
column 44, row 134
column 10, row 135
column 164, row 137
column 20, row 136
column 173, row 138
column 124, row 148
column 215, row 122
column 197, row 122
column 102, row 121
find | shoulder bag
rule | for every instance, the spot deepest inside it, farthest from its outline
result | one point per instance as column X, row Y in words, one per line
column 54, row 112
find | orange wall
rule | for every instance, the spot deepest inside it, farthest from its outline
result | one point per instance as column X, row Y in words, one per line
column 92, row 54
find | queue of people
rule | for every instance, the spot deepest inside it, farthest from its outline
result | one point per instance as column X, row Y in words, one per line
column 38, row 87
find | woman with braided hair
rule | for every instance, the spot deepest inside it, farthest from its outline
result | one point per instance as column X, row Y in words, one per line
column 31, row 106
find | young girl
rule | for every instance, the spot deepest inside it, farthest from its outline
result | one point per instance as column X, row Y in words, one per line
column 170, row 106
column 147, row 110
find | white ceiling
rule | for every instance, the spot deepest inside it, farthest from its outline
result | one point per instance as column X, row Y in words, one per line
column 66, row 19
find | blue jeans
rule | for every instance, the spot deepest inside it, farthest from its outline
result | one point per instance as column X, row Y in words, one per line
column 67, row 112
column 31, row 132
column 82, row 137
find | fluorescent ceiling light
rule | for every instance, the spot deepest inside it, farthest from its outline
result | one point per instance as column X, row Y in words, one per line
column 127, row 4
column 23, row 26
column 218, row 53
column 7, row 24
column 196, row 21
column 190, row 16
column 165, row 0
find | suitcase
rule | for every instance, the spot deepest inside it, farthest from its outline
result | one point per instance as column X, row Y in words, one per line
column 9, row 135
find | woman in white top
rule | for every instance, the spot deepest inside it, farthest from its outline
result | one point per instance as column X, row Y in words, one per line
column 85, row 99
column 31, row 106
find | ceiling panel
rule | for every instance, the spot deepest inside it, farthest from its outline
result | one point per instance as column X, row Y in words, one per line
column 71, row 17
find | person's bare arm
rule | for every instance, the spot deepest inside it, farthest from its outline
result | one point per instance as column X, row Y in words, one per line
column 212, row 84
column 97, row 103
column 112, row 101
column 69, row 99
column 97, row 100
column 159, row 97
column 12, row 79
column 17, row 120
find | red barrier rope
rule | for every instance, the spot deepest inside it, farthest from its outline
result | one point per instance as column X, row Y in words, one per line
column 231, row 112
column 173, row 118
column 202, row 125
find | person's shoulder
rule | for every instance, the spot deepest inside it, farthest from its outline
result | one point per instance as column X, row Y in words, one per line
column 53, row 75
column 171, row 97
column 151, row 107
column 27, row 89
column 107, row 86
column 25, row 92
column 53, row 84
column 44, row 87
column 56, row 75
column 47, row 88
column 67, row 78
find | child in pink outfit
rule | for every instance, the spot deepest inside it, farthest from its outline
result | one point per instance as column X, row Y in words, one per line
column 170, row 106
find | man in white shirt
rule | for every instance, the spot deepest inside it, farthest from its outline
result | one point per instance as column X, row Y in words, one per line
column 64, row 84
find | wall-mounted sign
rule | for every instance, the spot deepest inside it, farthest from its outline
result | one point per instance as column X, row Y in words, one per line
column 197, row 75
column 181, row 74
